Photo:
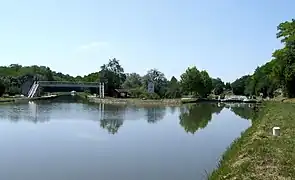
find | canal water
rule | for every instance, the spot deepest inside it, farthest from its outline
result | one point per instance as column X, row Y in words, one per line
column 76, row 141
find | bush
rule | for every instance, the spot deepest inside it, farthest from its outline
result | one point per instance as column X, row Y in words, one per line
column 153, row 96
column 13, row 90
column 147, row 95
column 137, row 93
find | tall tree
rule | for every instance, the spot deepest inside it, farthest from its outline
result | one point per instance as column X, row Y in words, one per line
column 206, row 84
column 159, row 80
column 112, row 74
column 133, row 80
column 195, row 82
column 239, row 85
column 191, row 81
column 227, row 86
column 285, row 57
column 218, row 86
column 173, row 89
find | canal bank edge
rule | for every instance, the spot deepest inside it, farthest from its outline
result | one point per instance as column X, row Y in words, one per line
column 134, row 101
column 257, row 154
column 25, row 99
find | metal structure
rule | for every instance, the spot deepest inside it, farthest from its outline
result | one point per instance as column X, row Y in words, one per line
column 37, row 84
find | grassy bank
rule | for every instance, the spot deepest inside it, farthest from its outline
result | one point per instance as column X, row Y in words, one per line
column 258, row 154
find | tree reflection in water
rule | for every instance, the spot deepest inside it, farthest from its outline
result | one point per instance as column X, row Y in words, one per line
column 155, row 113
column 245, row 111
column 33, row 112
column 112, row 117
column 112, row 125
column 196, row 116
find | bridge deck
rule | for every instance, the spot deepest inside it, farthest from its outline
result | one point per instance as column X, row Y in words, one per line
column 68, row 84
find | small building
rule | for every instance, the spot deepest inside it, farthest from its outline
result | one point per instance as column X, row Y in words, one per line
column 121, row 93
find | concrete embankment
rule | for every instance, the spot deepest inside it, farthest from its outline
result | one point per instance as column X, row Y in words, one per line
column 134, row 101
column 25, row 99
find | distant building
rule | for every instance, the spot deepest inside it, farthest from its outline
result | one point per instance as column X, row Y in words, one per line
column 151, row 87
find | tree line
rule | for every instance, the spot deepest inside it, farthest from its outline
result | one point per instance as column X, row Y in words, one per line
column 192, row 82
column 276, row 77
column 268, row 80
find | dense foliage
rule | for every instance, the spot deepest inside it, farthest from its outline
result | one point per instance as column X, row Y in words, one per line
column 278, row 74
column 192, row 82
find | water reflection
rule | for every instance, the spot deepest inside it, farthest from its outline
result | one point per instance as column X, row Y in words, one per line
column 31, row 112
column 155, row 114
column 197, row 116
column 87, row 141
column 245, row 111
column 111, row 117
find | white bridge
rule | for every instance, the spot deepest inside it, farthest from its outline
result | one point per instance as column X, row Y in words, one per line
column 34, row 88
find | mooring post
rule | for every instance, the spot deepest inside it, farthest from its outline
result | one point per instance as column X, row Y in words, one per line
column 276, row 131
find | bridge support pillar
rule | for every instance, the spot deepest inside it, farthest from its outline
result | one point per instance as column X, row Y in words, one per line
column 102, row 90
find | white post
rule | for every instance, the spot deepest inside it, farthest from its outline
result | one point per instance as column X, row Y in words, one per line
column 276, row 131
column 99, row 90
column 102, row 90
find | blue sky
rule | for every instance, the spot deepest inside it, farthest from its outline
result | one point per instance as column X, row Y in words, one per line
column 227, row 38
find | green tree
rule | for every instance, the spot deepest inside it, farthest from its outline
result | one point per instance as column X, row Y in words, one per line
column 206, row 84
column 218, row 86
column 133, row 81
column 159, row 80
column 227, row 86
column 112, row 74
column 239, row 85
column 92, row 77
column 195, row 82
column 191, row 81
column 173, row 90
column 285, row 57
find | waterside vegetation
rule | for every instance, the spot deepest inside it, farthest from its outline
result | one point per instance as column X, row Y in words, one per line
column 193, row 82
column 258, row 154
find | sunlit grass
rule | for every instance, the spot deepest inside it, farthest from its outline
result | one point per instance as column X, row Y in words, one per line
column 258, row 154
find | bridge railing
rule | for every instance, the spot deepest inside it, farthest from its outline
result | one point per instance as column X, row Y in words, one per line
column 67, row 82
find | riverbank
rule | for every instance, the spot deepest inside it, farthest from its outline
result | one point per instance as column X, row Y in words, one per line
column 133, row 101
column 258, row 154
column 25, row 99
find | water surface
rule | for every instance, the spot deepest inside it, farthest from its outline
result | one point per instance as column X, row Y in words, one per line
column 75, row 141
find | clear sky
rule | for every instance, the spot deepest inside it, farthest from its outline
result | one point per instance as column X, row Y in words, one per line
column 228, row 38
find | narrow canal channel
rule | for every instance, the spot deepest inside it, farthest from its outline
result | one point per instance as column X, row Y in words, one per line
column 78, row 141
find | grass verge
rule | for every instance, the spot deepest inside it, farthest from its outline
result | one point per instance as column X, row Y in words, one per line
column 259, row 155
